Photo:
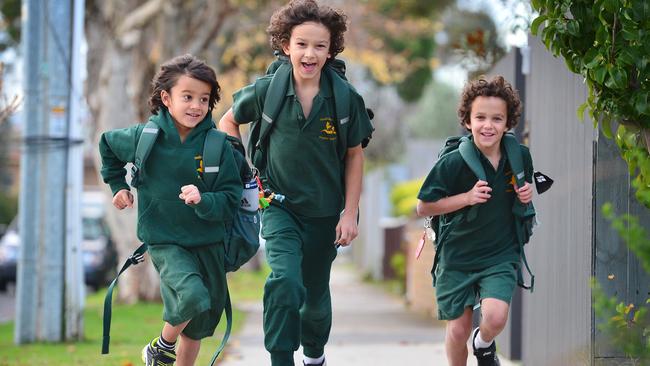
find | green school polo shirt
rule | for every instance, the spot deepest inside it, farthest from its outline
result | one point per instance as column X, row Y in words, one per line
column 490, row 238
column 303, row 162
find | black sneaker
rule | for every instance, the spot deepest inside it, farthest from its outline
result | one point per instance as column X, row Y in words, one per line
column 324, row 363
column 485, row 356
column 152, row 355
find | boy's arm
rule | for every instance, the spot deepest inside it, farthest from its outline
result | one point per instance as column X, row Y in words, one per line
column 117, row 147
column 221, row 203
column 228, row 124
column 347, row 229
column 480, row 193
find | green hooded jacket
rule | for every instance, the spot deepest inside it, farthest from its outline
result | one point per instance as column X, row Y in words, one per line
column 163, row 218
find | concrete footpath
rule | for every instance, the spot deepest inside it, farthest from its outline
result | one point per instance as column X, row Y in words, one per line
column 370, row 328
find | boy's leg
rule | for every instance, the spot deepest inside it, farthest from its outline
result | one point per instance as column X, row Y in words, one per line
column 496, row 284
column 284, row 292
column 170, row 332
column 494, row 315
column 316, row 314
column 456, row 336
column 188, row 350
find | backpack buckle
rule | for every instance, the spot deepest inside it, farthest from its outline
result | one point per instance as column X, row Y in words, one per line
column 136, row 258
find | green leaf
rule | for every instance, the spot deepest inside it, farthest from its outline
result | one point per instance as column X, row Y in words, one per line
column 641, row 103
column 611, row 5
column 581, row 111
column 606, row 127
column 617, row 78
column 600, row 73
column 592, row 58
column 534, row 26
column 630, row 35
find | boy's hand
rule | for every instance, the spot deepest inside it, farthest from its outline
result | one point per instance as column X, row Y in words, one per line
column 123, row 199
column 190, row 194
column 525, row 193
column 480, row 193
column 346, row 230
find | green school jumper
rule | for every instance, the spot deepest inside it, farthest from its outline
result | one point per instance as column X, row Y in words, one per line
column 474, row 247
column 185, row 241
column 303, row 164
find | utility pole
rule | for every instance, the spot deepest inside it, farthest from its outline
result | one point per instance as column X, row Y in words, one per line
column 44, row 290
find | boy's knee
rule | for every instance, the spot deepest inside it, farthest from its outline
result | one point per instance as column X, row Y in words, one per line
column 458, row 332
column 495, row 321
column 284, row 291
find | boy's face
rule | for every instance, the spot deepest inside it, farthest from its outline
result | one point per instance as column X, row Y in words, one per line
column 308, row 49
column 187, row 102
column 488, row 119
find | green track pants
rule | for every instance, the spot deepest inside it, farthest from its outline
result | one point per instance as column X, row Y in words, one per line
column 297, row 303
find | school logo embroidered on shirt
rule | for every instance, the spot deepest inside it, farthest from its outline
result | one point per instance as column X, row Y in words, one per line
column 329, row 131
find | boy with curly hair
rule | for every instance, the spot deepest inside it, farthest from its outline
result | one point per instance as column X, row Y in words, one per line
column 303, row 163
column 479, row 259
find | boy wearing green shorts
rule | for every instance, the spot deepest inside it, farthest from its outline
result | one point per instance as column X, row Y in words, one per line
column 480, row 257
column 180, row 218
column 321, row 187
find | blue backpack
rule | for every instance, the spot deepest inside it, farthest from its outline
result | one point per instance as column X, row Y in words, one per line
column 242, row 232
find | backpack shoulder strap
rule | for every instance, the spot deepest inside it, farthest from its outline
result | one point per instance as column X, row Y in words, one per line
column 142, row 151
column 274, row 94
column 513, row 151
column 133, row 259
column 273, row 100
column 470, row 156
column 342, row 102
column 212, row 148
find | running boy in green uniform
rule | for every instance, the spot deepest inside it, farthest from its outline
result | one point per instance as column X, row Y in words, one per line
column 322, row 189
column 180, row 218
column 480, row 258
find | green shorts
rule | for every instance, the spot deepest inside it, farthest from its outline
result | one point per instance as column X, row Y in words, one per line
column 192, row 286
column 457, row 290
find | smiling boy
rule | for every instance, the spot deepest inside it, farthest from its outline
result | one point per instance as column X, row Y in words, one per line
column 321, row 187
column 479, row 259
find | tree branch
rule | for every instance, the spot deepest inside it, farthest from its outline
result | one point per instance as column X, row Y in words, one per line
column 202, row 42
column 139, row 17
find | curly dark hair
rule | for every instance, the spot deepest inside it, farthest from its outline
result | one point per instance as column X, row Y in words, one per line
column 297, row 12
column 173, row 69
column 495, row 87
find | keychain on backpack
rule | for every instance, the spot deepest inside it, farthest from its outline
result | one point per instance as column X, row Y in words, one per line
column 427, row 232
column 266, row 195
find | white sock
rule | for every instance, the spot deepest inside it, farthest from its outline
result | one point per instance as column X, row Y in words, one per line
column 480, row 343
column 316, row 361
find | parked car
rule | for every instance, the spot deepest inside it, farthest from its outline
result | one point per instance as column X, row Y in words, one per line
column 99, row 253
column 9, row 245
column 99, row 256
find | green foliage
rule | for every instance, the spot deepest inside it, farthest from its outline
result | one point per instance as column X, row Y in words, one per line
column 398, row 264
column 626, row 326
column 8, row 207
column 132, row 326
column 608, row 43
column 473, row 41
column 634, row 235
column 403, row 197
column 9, row 23
column 436, row 113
